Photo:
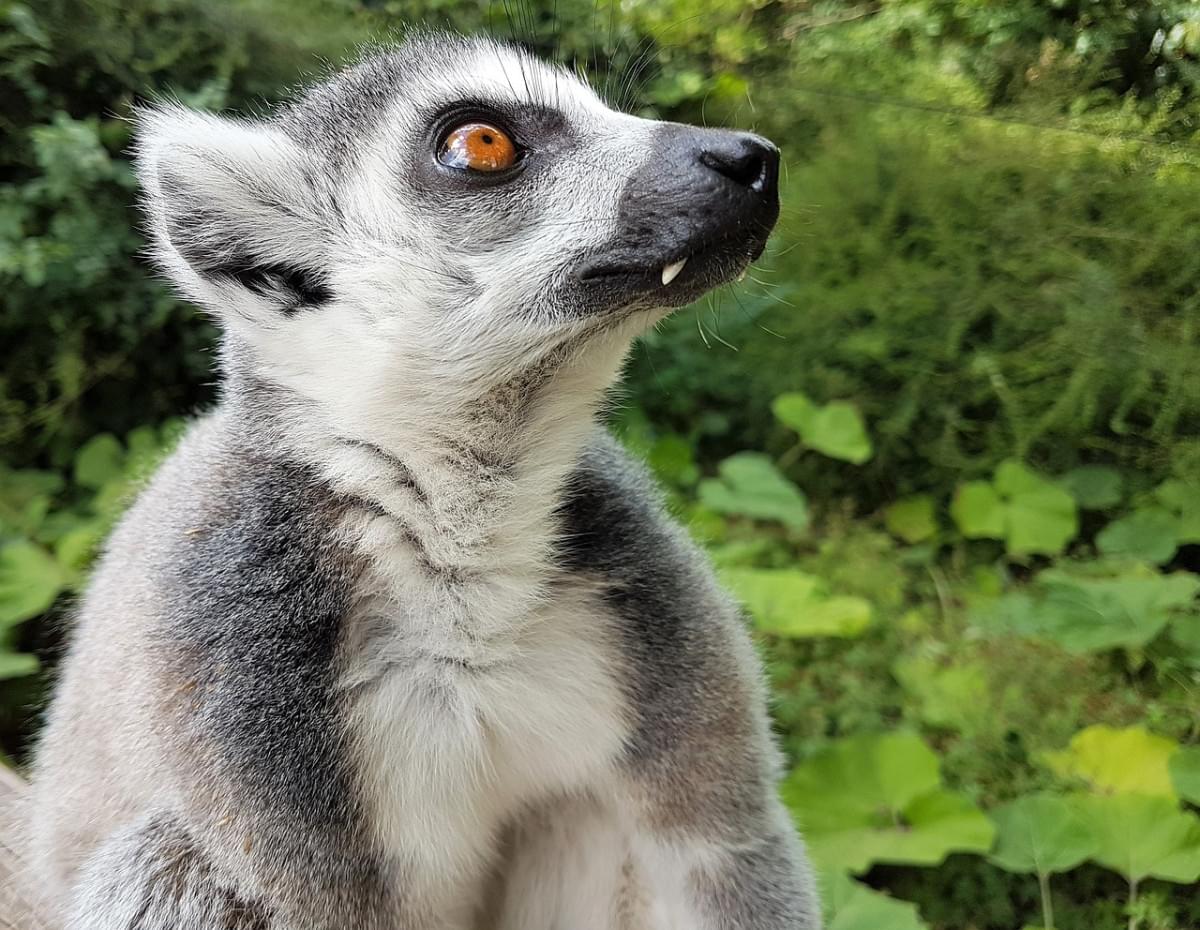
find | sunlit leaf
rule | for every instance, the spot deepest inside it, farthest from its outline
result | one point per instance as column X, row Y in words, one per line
column 790, row 603
column 1124, row 761
column 1042, row 834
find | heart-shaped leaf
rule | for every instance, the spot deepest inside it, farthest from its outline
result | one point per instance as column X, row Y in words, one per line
column 751, row 486
column 792, row 604
column 1043, row 834
column 1144, row 836
column 1129, row 760
column 874, row 799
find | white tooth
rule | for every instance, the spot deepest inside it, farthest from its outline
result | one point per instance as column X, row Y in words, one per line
column 671, row 272
column 742, row 276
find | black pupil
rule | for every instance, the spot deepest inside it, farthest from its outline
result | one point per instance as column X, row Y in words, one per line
column 487, row 138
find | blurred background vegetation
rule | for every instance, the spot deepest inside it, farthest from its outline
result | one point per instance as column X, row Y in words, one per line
column 944, row 442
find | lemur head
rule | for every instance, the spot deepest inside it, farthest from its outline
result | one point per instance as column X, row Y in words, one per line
column 449, row 210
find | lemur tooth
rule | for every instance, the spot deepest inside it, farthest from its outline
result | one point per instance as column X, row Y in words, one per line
column 671, row 272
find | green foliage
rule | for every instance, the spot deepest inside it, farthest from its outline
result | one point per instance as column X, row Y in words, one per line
column 871, row 799
column 1087, row 612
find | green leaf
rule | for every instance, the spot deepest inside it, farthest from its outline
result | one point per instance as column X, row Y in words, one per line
column 1185, row 773
column 673, row 460
column 795, row 410
column 751, row 486
column 851, row 905
column 1040, row 521
column 1143, row 836
column 1094, row 487
column 1149, row 534
column 16, row 664
column 1125, row 761
column 792, row 604
column 1183, row 500
column 978, row 511
column 953, row 696
column 873, row 799
column 100, row 460
column 30, row 580
column 1091, row 614
column 837, row 430
column 1041, row 834
column 911, row 518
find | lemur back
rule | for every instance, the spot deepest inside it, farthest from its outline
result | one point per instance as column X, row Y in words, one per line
column 398, row 637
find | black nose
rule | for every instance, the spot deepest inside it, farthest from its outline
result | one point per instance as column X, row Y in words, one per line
column 746, row 160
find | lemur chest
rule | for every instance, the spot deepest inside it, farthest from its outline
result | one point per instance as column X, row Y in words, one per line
column 464, row 708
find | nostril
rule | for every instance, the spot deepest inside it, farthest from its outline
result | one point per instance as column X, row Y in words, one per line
column 745, row 160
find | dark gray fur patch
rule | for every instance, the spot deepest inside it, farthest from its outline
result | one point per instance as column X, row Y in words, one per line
column 251, row 632
column 759, row 887
column 695, row 743
column 261, row 593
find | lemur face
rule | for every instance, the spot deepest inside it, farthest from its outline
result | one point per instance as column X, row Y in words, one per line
column 455, row 196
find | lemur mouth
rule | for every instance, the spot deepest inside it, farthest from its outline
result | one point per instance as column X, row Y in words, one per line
column 677, row 280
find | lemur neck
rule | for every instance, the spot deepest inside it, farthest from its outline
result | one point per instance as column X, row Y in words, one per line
column 473, row 485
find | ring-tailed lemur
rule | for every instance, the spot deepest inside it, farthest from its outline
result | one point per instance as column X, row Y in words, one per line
column 397, row 639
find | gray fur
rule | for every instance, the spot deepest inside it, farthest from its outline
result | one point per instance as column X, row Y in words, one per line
column 398, row 637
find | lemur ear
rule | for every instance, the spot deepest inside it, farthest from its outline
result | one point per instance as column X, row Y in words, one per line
column 238, row 213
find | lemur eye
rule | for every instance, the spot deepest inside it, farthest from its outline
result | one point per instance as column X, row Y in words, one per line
column 478, row 147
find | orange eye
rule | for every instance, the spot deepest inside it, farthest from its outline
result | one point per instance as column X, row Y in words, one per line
column 478, row 147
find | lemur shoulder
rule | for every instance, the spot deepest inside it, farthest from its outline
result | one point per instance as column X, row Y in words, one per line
column 398, row 638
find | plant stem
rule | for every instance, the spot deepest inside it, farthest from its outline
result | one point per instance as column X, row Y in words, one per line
column 1133, row 920
column 1047, row 904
